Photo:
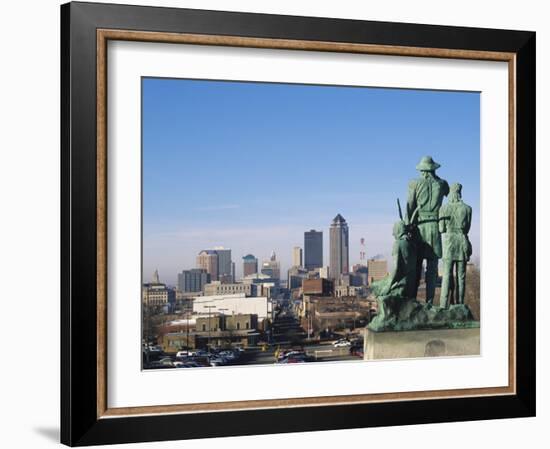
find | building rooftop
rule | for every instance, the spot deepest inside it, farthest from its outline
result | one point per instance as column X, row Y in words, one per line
column 214, row 334
column 338, row 219
column 208, row 251
column 154, row 286
column 202, row 299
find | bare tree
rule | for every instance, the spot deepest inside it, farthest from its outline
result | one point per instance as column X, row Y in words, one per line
column 473, row 290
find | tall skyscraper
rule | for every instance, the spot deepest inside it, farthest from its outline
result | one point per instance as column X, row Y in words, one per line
column 250, row 265
column 193, row 280
column 339, row 247
column 313, row 246
column 296, row 256
column 224, row 261
column 208, row 260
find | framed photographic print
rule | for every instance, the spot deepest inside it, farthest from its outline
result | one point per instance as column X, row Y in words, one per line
column 278, row 224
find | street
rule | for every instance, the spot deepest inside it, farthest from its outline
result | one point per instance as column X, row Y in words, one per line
column 320, row 353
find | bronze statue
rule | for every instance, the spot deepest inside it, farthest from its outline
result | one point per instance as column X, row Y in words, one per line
column 401, row 281
column 455, row 219
column 417, row 237
column 425, row 196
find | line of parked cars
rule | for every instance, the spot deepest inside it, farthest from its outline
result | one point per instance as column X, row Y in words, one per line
column 197, row 358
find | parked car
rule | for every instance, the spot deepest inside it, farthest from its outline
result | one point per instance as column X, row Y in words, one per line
column 229, row 355
column 201, row 360
column 341, row 343
column 166, row 361
column 217, row 361
column 158, row 365
column 283, row 354
column 186, row 365
column 294, row 359
column 197, row 353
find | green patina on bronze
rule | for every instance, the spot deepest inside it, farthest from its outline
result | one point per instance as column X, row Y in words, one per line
column 396, row 313
column 454, row 222
column 417, row 237
column 401, row 281
column 425, row 196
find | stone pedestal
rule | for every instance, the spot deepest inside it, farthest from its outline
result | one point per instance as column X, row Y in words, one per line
column 421, row 343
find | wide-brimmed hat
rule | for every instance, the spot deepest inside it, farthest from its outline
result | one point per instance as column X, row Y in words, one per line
column 427, row 164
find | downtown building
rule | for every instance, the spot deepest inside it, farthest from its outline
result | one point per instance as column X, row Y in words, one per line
column 207, row 259
column 226, row 268
column 361, row 271
column 377, row 269
column 296, row 276
column 233, row 304
column 250, row 265
column 297, row 256
column 193, row 280
column 156, row 293
column 339, row 248
column 272, row 267
column 313, row 249
column 265, row 285
column 218, row 288
column 217, row 263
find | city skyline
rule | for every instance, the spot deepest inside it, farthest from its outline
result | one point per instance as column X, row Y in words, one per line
column 252, row 166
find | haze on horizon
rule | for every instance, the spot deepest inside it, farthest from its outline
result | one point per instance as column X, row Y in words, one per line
column 252, row 166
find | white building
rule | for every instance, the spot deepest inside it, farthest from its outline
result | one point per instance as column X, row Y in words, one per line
column 324, row 272
column 233, row 305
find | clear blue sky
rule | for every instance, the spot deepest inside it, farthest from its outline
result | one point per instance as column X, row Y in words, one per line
column 251, row 166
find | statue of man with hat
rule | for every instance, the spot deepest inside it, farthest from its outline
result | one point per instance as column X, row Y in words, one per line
column 454, row 222
column 424, row 200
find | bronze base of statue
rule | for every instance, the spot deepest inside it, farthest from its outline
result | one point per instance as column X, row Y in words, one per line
column 401, row 314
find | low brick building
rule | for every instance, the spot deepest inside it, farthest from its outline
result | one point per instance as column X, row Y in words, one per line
column 318, row 287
